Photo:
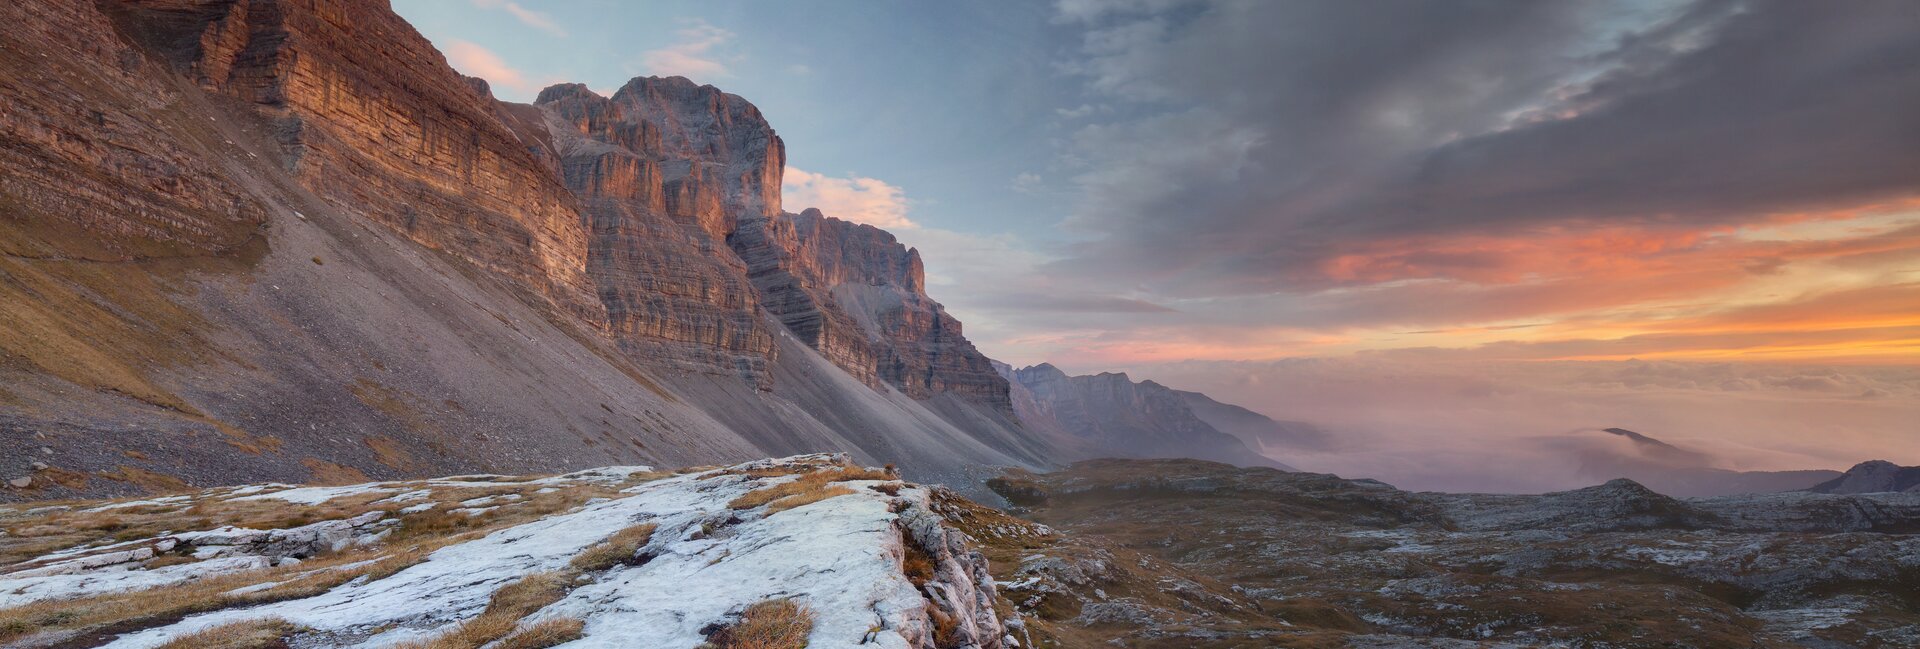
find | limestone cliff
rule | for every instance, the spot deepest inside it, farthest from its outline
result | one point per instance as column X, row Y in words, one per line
column 388, row 131
column 660, row 205
column 857, row 295
column 97, row 174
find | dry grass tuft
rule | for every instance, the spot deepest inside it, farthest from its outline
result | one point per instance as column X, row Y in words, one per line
column 543, row 634
column 512, row 602
column 206, row 594
column 267, row 633
column 806, row 498
column 811, row 482
column 772, row 624
column 917, row 565
column 616, row 550
column 32, row 535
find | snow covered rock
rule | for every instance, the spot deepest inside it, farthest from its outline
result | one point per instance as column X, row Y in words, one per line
column 864, row 555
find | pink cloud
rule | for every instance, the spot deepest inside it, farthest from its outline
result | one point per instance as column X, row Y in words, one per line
column 535, row 19
column 861, row 200
column 693, row 56
column 481, row 62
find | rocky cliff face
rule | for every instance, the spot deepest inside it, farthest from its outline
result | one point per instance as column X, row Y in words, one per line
column 1112, row 416
column 855, row 294
column 98, row 167
column 386, row 131
column 664, row 168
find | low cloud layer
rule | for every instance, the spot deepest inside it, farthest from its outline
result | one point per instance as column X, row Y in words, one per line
column 1424, row 423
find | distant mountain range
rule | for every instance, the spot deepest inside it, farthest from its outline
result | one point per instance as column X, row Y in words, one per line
column 1682, row 472
column 1110, row 415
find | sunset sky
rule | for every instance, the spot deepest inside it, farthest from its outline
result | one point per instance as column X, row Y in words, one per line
column 1149, row 184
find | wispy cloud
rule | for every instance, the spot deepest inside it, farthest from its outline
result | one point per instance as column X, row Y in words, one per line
column 696, row 55
column 472, row 59
column 862, row 200
column 535, row 19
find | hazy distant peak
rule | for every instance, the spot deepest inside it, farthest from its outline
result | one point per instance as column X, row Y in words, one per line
column 1873, row 476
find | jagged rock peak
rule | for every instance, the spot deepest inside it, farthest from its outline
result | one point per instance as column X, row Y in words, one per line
column 852, row 292
column 1043, row 371
column 559, row 91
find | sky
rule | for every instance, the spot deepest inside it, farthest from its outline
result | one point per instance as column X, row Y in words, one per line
column 1204, row 191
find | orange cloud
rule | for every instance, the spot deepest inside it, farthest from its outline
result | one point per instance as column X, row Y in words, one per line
column 474, row 60
column 1841, row 286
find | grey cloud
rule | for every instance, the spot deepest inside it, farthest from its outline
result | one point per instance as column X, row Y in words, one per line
column 1264, row 136
column 1068, row 302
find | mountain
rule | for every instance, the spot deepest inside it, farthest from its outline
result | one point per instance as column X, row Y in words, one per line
column 272, row 240
column 1109, row 415
column 1677, row 471
column 1258, row 431
column 1875, row 476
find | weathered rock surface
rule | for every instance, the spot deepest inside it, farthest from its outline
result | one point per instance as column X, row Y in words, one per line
column 856, row 295
column 868, row 556
column 387, row 132
column 1109, row 415
column 1270, row 558
column 665, row 168
column 101, row 164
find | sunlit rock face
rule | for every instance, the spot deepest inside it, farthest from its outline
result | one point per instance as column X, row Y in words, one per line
column 86, row 180
column 663, row 169
column 858, row 296
column 388, row 132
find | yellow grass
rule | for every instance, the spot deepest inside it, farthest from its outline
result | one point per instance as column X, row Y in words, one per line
column 807, row 483
column 617, row 549
column 543, row 634
column 512, row 602
column 806, row 498
column 263, row 633
column 32, row 535
column 772, row 624
column 206, row 594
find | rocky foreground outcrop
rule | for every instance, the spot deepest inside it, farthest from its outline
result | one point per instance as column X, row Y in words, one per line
column 613, row 557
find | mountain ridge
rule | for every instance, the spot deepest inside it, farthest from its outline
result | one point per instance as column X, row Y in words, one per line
column 300, row 247
column 344, row 260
